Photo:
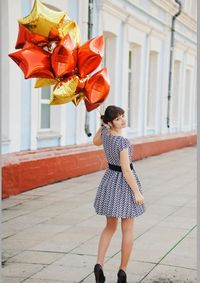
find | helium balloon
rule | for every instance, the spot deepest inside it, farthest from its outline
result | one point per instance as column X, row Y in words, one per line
column 89, row 106
column 42, row 19
column 77, row 98
column 64, row 57
column 44, row 82
column 97, row 87
column 90, row 55
column 33, row 61
column 81, row 85
column 25, row 35
column 70, row 27
column 64, row 91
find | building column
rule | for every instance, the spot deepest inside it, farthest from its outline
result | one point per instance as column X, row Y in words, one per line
column 12, row 77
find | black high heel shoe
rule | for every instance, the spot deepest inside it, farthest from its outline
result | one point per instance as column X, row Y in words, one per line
column 99, row 275
column 121, row 276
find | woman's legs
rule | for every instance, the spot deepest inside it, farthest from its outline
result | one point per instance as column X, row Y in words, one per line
column 127, row 241
column 106, row 237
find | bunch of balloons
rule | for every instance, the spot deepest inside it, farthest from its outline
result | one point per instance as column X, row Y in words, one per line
column 51, row 52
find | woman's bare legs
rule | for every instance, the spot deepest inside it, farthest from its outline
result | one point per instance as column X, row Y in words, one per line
column 127, row 241
column 106, row 237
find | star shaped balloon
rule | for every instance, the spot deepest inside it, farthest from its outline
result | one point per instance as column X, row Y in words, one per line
column 51, row 52
column 42, row 19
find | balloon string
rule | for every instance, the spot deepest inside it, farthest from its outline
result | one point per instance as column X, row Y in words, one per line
column 99, row 111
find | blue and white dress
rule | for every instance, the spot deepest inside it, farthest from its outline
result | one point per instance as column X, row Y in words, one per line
column 114, row 196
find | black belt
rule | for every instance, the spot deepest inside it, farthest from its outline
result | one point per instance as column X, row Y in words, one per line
column 117, row 168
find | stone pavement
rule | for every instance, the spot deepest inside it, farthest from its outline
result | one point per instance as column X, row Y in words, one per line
column 51, row 234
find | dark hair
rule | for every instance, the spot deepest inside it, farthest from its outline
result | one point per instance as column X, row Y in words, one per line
column 111, row 113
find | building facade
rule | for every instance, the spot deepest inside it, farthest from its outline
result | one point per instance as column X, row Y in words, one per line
column 137, row 48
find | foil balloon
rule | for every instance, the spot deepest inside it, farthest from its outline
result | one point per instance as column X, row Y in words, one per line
column 42, row 19
column 81, row 84
column 64, row 57
column 64, row 91
column 70, row 27
column 97, row 87
column 33, row 61
column 90, row 55
column 89, row 106
column 77, row 98
column 45, row 82
column 25, row 35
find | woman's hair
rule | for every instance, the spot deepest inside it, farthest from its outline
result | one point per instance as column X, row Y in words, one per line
column 111, row 113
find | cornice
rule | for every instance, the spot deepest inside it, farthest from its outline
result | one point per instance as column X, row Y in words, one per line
column 117, row 9
column 171, row 7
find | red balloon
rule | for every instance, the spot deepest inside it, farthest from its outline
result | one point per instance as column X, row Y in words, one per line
column 90, row 55
column 64, row 57
column 54, row 34
column 81, row 85
column 34, row 61
column 89, row 106
column 97, row 87
column 25, row 35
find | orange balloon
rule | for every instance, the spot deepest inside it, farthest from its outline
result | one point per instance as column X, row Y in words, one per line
column 89, row 106
column 97, row 87
column 64, row 57
column 25, row 35
column 90, row 55
column 33, row 61
column 54, row 34
column 81, row 85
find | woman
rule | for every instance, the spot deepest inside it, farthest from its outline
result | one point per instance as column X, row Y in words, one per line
column 119, row 194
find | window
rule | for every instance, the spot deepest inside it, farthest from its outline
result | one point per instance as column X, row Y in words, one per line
column 109, row 61
column 175, row 93
column 130, row 55
column 187, row 98
column 152, row 90
column 133, row 86
column 45, row 112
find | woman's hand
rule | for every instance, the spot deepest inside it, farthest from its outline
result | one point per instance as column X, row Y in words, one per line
column 139, row 198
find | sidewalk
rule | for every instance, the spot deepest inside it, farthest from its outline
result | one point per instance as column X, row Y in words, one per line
column 51, row 234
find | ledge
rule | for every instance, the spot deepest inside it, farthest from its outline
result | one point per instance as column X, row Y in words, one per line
column 48, row 135
column 26, row 170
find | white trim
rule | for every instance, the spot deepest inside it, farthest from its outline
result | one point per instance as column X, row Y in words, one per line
column 15, row 80
column 146, row 78
column 34, row 114
column 48, row 134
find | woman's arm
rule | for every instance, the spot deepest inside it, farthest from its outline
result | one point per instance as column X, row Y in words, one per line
column 126, row 170
column 97, row 140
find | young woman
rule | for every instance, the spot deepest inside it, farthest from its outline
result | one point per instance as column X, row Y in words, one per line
column 119, row 194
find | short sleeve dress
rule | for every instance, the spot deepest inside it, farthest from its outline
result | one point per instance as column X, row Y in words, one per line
column 114, row 196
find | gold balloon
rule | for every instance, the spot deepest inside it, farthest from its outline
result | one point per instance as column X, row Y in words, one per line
column 44, row 82
column 72, row 28
column 64, row 91
column 42, row 19
column 78, row 97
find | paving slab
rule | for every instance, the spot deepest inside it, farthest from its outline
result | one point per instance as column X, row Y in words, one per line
column 51, row 234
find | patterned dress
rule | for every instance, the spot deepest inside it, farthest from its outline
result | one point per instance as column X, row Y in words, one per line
column 114, row 196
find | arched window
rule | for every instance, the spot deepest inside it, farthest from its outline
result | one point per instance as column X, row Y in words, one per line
column 134, row 63
column 152, row 90
column 175, row 93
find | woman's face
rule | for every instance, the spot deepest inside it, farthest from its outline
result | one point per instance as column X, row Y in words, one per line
column 119, row 122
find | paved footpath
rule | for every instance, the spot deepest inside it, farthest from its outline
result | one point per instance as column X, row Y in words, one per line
column 51, row 234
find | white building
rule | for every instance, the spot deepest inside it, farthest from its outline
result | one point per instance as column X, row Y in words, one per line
column 137, row 48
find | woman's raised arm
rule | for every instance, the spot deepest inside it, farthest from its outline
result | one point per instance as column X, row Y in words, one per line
column 97, row 140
